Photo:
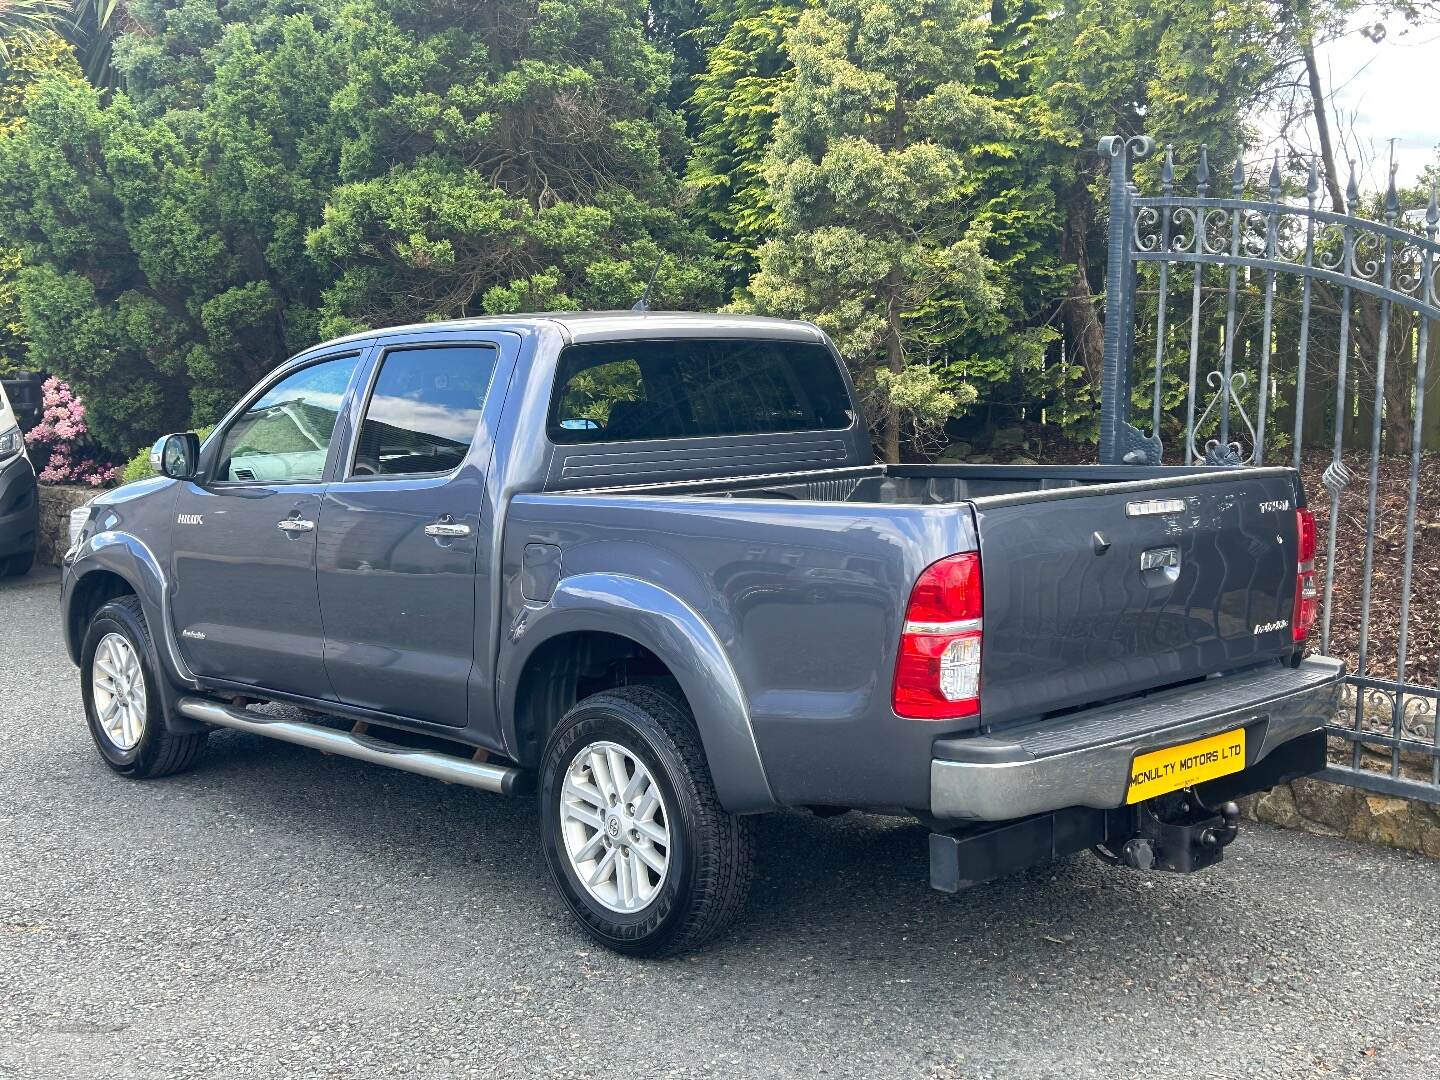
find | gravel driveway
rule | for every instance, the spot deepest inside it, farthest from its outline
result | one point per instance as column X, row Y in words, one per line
column 280, row 913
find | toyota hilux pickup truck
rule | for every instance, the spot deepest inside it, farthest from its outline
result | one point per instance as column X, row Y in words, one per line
column 644, row 567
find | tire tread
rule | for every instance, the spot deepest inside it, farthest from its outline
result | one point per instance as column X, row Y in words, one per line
column 169, row 752
column 725, row 853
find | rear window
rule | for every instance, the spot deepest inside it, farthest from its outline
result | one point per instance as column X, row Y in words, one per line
column 689, row 388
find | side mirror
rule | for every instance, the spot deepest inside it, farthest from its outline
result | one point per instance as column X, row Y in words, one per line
column 176, row 456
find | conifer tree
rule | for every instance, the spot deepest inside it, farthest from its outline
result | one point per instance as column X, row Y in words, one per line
column 873, row 146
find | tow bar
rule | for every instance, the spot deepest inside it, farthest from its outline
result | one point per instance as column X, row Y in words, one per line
column 1181, row 832
column 1176, row 832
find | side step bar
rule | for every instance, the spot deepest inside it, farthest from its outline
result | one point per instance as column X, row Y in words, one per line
column 501, row 779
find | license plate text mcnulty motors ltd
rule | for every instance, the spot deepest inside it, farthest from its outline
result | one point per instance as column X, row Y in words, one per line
column 1176, row 767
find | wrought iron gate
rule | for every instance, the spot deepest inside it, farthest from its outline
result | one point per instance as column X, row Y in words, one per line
column 1248, row 303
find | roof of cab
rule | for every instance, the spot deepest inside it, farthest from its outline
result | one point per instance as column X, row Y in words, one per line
column 580, row 326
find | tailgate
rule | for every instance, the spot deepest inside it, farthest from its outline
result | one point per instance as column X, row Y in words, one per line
column 1100, row 592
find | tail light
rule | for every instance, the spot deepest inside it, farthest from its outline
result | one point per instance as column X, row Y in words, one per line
column 937, row 675
column 1306, row 595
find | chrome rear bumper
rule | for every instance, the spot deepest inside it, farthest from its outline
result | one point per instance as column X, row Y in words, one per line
column 1084, row 759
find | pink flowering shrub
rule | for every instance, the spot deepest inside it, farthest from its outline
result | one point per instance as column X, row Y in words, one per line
column 59, row 444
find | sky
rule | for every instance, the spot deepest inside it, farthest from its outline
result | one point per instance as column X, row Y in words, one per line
column 1384, row 91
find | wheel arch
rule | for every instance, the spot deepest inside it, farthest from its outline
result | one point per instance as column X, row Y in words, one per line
column 89, row 594
column 595, row 620
column 112, row 565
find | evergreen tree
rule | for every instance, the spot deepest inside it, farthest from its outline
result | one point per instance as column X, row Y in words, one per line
column 869, row 167
column 165, row 266
column 277, row 171
column 510, row 156
column 733, row 113
column 1186, row 73
column 28, row 58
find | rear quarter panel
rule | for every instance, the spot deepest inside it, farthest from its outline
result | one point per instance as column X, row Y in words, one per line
column 806, row 599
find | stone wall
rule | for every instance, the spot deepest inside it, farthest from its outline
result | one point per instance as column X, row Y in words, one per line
column 1331, row 810
column 56, row 502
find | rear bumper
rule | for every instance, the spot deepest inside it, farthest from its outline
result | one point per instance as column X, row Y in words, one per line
column 19, row 509
column 1084, row 759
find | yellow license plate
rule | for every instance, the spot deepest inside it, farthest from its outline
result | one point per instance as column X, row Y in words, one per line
column 1177, row 767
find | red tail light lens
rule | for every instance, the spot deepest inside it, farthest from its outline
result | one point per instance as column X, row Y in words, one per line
column 1307, row 596
column 1305, row 528
column 937, row 675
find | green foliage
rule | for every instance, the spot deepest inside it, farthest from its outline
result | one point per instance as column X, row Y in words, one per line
column 276, row 172
column 137, row 468
column 487, row 171
column 26, row 24
column 165, row 261
column 873, row 145
column 28, row 59
column 918, row 177
column 733, row 110
column 591, row 393
column 12, row 325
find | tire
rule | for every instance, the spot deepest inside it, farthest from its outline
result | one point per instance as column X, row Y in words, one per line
column 143, row 748
column 17, row 565
column 708, row 856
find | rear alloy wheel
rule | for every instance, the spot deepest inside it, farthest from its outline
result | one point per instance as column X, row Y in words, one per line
column 617, row 833
column 636, row 839
column 122, row 696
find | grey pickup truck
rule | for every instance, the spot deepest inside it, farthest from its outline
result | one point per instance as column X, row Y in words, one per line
column 643, row 566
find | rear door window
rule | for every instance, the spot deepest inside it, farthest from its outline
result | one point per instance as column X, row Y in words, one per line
column 667, row 389
column 424, row 410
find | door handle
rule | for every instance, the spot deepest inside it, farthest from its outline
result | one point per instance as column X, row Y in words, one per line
column 446, row 527
column 295, row 525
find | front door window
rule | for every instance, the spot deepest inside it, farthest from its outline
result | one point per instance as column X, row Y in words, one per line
column 284, row 436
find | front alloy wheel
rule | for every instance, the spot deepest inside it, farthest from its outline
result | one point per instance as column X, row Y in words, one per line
column 121, row 688
column 117, row 686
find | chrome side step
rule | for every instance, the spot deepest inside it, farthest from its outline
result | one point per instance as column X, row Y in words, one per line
column 501, row 779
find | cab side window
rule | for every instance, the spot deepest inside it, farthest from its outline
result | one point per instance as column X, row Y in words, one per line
column 424, row 410
column 592, row 394
column 688, row 388
column 285, row 434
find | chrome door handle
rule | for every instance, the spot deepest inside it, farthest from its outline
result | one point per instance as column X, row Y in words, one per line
column 447, row 528
column 295, row 525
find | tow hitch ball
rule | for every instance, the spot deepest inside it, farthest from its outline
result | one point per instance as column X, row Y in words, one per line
column 1177, row 833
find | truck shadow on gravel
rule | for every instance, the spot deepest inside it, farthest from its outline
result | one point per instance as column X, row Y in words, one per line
column 845, row 889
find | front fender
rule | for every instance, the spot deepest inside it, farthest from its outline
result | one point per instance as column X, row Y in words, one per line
column 129, row 558
column 684, row 642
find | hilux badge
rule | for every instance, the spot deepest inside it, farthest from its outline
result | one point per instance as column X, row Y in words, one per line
column 1267, row 627
column 190, row 519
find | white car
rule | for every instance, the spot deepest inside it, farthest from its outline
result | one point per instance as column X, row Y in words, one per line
column 19, row 512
